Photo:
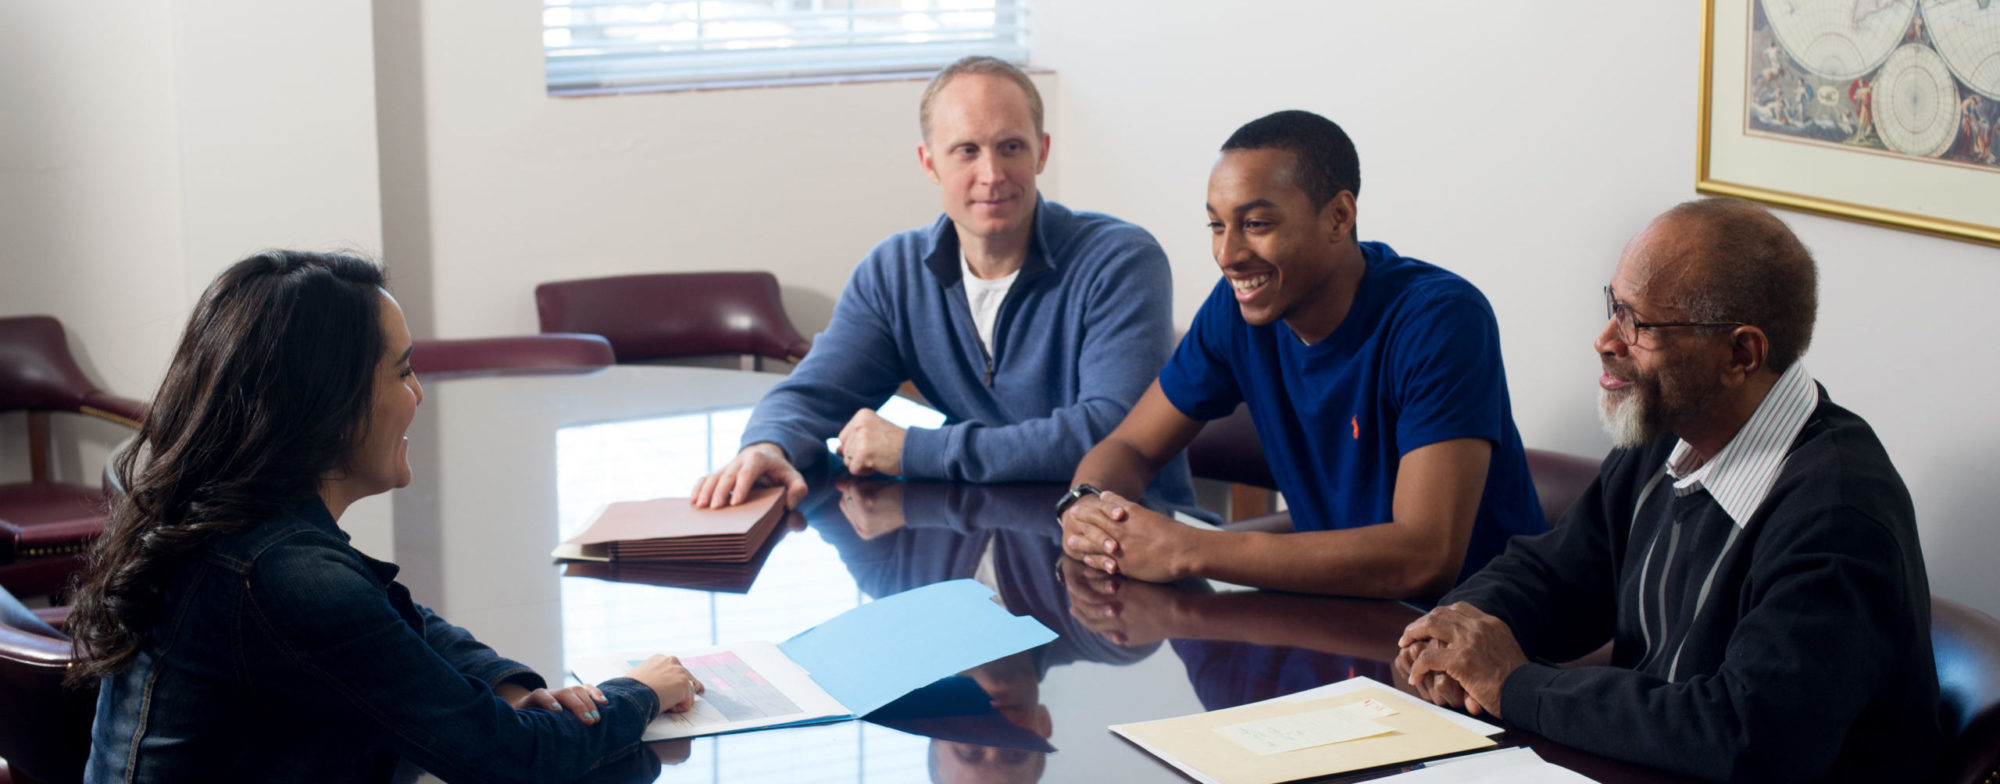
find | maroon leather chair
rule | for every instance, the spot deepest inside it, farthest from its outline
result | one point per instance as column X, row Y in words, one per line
column 44, row 728
column 1227, row 449
column 1966, row 645
column 1560, row 478
column 682, row 314
column 46, row 525
column 554, row 352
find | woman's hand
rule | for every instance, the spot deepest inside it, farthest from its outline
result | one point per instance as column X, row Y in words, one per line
column 579, row 700
column 675, row 686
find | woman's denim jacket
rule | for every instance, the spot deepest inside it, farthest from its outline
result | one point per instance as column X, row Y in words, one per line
column 285, row 655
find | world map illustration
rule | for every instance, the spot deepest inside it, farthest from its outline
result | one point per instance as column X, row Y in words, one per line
column 1919, row 78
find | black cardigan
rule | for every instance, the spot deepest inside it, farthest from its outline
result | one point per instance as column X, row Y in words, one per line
column 1810, row 659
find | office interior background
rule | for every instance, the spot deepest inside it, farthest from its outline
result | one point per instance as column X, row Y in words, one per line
column 146, row 145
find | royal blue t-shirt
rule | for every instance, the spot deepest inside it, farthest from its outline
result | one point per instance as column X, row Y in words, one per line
column 1416, row 362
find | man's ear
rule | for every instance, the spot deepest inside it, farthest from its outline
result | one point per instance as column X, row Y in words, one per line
column 924, row 160
column 1338, row 217
column 1749, row 350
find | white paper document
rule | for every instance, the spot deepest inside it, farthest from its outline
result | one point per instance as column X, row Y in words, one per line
column 1306, row 730
column 1360, row 682
column 748, row 686
column 1518, row 765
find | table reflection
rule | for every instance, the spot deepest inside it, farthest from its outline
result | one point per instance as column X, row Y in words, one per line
column 798, row 582
column 507, row 467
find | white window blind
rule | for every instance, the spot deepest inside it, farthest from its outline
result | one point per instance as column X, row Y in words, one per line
column 595, row 46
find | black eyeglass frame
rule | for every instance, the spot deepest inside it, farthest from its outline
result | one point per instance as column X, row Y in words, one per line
column 1612, row 307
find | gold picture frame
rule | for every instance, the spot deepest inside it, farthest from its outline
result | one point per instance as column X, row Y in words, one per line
column 1954, row 194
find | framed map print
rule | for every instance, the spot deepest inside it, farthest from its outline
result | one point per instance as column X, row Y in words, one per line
column 1883, row 111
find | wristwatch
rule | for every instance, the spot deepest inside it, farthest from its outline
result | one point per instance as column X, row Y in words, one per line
column 1074, row 493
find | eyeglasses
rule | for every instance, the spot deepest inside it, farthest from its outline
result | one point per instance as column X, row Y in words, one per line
column 1629, row 325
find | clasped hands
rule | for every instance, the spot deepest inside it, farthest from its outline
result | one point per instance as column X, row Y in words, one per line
column 1113, row 534
column 1459, row 656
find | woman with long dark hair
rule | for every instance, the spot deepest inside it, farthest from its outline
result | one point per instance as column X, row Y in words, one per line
column 236, row 634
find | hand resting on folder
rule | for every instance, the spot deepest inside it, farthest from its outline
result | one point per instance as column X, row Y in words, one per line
column 663, row 674
column 762, row 463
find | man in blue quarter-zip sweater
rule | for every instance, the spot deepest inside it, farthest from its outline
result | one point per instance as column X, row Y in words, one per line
column 1748, row 549
column 1030, row 326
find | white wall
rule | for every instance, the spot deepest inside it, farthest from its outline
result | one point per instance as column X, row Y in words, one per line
column 523, row 188
column 1520, row 144
column 90, row 182
column 144, row 150
column 277, row 130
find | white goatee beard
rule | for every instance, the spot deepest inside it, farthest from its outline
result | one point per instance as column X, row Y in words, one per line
column 1625, row 417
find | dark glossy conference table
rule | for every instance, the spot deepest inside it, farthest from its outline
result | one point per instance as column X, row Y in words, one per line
column 507, row 466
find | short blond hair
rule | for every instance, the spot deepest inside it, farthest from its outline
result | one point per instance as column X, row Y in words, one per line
column 984, row 66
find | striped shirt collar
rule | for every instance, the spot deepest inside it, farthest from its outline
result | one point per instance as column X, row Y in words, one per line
column 1741, row 475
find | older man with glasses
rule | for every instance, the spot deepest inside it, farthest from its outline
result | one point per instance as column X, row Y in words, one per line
column 1748, row 548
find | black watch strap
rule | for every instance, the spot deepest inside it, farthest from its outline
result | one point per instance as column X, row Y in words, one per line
column 1074, row 493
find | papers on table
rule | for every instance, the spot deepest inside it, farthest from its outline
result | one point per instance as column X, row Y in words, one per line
column 671, row 529
column 1364, row 682
column 1355, row 724
column 1309, row 729
column 1518, row 765
column 748, row 686
column 844, row 668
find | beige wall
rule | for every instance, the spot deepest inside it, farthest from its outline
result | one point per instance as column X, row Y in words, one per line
column 1519, row 144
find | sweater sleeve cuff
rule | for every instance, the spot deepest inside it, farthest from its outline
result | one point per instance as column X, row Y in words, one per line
column 801, row 451
column 923, row 448
column 1521, row 695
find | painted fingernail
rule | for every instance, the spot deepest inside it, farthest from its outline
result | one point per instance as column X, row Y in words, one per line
column 592, row 715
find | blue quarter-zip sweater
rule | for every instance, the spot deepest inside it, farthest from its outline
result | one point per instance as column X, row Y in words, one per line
column 1083, row 331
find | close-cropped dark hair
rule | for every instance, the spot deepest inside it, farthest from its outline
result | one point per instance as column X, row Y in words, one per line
column 1327, row 163
column 1751, row 268
column 269, row 390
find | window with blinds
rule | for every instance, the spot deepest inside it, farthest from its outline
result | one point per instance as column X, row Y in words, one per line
column 596, row 46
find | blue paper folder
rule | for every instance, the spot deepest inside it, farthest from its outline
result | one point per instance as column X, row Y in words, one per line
column 871, row 655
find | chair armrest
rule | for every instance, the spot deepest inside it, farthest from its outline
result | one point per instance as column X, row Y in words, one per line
column 37, row 541
column 124, row 411
column 34, row 649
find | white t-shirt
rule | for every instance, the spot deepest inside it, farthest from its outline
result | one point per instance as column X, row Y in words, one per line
column 985, row 297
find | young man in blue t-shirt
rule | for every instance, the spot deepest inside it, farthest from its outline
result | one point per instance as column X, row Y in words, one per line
column 1374, row 381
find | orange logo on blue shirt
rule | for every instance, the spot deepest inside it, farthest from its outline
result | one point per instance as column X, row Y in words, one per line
column 1356, row 422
